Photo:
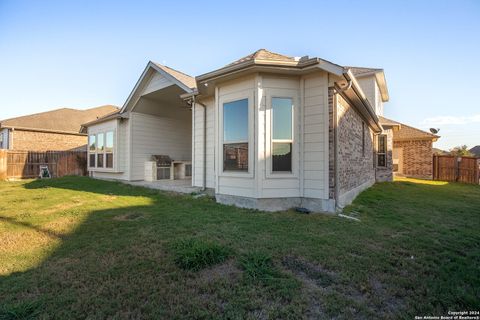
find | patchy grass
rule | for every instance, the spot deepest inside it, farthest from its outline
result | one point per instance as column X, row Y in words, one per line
column 194, row 254
column 75, row 248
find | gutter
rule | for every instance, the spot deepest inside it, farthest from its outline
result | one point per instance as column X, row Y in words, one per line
column 73, row 133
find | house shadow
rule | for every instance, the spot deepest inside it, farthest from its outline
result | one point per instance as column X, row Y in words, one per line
column 111, row 249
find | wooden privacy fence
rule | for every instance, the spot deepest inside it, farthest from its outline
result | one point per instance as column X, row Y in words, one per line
column 460, row 169
column 26, row 164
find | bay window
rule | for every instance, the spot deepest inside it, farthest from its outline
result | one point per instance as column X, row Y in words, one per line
column 101, row 150
column 235, row 135
column 282, row 134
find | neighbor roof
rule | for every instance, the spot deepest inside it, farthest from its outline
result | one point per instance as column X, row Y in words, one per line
column 406, row 132
column 65, row 120
column 184, row 78
column 475, row 150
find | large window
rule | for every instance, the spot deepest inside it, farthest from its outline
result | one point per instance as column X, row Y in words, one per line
column 101, row 150
column 92, row 148
column 282, row 134
column 109, row 149
column 382, row 151
column 235, row 135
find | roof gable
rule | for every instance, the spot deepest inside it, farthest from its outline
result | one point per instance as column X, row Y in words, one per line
column 174, row 77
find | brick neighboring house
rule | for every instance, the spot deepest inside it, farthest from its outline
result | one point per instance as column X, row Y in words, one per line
column 52, row 130
column 412, row 150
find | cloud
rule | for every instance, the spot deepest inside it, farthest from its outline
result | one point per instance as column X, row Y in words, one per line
column 450, row 120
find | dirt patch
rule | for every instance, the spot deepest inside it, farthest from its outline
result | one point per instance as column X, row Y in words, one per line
column 131, row 216
column 227, row 270
column 311, row 274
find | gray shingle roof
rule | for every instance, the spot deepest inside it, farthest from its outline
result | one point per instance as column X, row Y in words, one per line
column 184, row 78
column 64, row 119
column 407, row 132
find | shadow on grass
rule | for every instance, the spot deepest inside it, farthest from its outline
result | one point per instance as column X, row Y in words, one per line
column 117, row 262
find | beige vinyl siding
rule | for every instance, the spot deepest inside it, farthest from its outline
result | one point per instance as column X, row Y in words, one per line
column 315, row 136
column 153, row 135
column 210, row 146
column 156, row 82
column 372, row 92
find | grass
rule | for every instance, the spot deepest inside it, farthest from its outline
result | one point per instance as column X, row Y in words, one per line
column 194, row 254
column 75, row 248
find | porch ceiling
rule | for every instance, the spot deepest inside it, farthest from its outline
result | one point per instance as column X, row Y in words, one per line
column 165, row 102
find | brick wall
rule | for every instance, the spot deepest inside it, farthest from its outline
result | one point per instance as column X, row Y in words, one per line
column 355, row 163
column 44, row 141
column 417, row 157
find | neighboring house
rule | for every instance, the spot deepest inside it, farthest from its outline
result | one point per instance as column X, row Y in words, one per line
column 52, row 130
column 475, row 151
column 267, row 131
column 412, row 150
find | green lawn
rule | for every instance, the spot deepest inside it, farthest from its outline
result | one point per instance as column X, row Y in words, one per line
column 76, row 248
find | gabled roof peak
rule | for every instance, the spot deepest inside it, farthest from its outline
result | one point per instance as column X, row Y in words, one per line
column 264, row 54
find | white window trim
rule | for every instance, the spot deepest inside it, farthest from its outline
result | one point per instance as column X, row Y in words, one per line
column 115, row 151
column 290, row 94
column 382, row 153
column 240, row 95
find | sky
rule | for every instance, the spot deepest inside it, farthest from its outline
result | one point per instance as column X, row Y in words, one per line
column 82, row 54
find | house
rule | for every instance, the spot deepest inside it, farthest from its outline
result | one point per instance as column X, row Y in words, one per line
column 475, row 151
column 52, row 130
column 412, row 150
column 267, row 131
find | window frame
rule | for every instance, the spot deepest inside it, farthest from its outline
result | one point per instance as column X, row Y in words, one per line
column 97, row 152
column 227, row 98
column 382, row 153
column 286, row 94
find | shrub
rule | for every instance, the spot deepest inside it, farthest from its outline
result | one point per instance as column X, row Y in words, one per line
column 194, row 254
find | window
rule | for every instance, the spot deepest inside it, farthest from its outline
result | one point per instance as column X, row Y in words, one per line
column 363, row 139
column 282, row 134
column 382, row 151
column 92, row 148
column 109, row 149
column 101, row 150
column 235, row 135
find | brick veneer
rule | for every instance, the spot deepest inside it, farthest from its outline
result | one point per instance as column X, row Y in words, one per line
column 417, row 157
column 44, row 141
column 355, row 166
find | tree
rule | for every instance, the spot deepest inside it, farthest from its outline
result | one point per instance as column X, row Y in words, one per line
column 461, row 151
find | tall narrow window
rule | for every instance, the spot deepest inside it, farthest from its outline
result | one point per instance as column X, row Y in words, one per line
column 92, row 148
column 382, row 151
column 235, row 135
column 109, row 149
column 363, row 139
column 282, row 134
column 100, row 149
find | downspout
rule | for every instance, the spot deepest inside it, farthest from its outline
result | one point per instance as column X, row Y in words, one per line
column 204, row 183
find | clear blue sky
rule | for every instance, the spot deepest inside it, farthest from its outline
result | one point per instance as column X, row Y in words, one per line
column 87, row 53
